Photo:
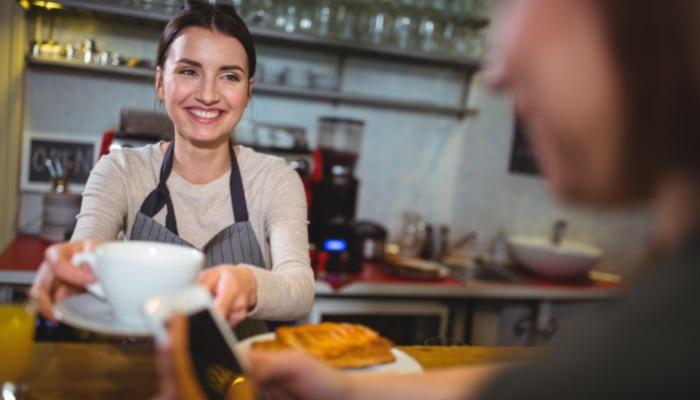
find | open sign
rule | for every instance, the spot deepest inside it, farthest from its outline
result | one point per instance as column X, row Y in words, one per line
column 78, row 152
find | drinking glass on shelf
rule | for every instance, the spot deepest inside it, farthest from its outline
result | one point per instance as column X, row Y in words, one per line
column 382, row 15
column 461, row 7
column 291, row 16
column 477, row 44
column 17, row 323
column 462, row 39
column 306, row 16
column 405, row 25
column 430, row 30
column 323, row 17
column 258, row 12
column 345, row 19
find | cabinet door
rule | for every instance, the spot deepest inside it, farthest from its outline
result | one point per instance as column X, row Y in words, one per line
column 405, row 322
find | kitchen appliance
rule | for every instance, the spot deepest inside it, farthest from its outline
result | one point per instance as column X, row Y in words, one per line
column 137, row 128
column 334, row 192
column 368, row 241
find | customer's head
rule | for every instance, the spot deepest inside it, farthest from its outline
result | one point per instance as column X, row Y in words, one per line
column 204, row 70
column 609, row 90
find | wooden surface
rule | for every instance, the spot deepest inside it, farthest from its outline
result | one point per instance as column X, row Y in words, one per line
column 105, row 371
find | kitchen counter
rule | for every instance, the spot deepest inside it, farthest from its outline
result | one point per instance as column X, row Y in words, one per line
column 20, row 260
column 107, row 371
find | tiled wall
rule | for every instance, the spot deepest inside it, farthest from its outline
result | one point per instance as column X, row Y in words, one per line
column 453, row 172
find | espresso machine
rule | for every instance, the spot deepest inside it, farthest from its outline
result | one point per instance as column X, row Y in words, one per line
column 334, row 193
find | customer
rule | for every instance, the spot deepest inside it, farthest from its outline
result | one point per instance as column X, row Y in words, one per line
column 610, row 93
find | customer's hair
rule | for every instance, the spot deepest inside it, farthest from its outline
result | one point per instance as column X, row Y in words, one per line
column 217, row 17
column 657, row 48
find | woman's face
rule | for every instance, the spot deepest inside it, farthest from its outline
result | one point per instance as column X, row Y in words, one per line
column 204, row 84
column 553, row 57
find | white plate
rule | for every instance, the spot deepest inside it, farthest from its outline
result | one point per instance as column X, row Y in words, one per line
column 404, row 363
column 85, row 311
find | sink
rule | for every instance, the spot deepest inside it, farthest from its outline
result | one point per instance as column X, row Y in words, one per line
column 568, row 259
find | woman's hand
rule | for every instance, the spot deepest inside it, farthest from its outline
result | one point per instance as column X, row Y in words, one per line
column 177, row 379
column 58, row 278
column 234, row 289
column 295, row 375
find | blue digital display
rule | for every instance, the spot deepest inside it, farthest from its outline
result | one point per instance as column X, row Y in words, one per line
column 335, row 245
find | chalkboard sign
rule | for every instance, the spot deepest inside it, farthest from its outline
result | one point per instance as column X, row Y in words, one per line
column 522, row 159
column 80, row 152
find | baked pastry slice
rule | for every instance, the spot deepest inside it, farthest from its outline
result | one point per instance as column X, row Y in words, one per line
column 340, row 344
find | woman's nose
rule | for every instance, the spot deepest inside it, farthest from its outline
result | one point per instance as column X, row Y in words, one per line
column 208, row 93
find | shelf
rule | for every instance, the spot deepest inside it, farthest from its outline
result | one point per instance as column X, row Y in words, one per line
column 328, row 96
column 271, row 36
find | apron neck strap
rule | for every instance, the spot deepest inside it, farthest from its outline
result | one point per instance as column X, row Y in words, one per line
column 240, row 208
column 161, row 195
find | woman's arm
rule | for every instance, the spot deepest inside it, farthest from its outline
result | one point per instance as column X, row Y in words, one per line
column 104, row 206
column 287, row 291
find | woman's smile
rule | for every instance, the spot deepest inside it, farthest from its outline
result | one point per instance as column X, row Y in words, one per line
column 205, row 115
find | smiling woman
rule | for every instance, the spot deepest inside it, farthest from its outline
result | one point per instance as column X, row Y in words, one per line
column 246, row 211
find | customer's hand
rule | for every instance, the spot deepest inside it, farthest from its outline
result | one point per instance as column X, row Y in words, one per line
column 58, row 278
column 177, row 379
column 234, row 289
column 295, row 375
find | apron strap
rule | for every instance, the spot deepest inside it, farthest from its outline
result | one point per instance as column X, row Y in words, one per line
column 161, row 195
column 240, row 208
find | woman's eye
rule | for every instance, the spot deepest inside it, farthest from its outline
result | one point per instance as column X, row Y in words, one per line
column 232, row 77
column 188, row 72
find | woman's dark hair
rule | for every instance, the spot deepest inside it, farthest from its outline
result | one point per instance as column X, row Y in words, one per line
column 216, row 17
column 657, row 47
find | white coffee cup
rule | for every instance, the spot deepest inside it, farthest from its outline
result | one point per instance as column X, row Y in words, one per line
column 129, row 272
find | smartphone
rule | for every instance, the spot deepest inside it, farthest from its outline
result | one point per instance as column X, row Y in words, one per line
column 217, row 365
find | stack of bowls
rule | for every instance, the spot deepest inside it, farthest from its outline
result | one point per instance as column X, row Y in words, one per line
column 58, row 219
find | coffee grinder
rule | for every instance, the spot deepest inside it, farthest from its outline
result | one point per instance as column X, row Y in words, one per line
column 334, row 192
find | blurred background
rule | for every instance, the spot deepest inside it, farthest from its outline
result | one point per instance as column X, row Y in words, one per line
column 438, row 163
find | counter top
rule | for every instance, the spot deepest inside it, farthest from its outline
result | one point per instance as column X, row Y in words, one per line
column 88, row 371
column 20, row 260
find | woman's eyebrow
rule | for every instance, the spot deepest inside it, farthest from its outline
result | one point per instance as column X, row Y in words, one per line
column 231, row 67
column 194, row 63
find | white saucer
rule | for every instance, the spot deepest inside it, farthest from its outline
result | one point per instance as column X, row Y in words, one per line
column 85, row 311
column 404, row 364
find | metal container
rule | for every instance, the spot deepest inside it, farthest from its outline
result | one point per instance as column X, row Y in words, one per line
column 368, row 241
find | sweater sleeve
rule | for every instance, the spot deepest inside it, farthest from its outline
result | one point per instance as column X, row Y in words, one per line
column 104, row 207
column 286, row 292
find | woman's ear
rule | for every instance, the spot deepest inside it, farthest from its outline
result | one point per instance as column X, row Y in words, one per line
column 160, row 92
column 251, row 83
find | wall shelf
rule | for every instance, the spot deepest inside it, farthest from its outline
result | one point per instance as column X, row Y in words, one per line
column 307, row 94
column 265, row 35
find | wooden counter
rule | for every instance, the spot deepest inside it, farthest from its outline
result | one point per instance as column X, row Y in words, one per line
column 106, row 371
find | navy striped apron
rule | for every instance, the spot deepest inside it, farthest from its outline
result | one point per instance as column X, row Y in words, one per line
column 235, row 244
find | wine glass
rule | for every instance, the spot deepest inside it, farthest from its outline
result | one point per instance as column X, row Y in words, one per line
column 17, row 323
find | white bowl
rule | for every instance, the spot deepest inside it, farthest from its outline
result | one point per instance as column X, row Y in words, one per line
column 569, row 259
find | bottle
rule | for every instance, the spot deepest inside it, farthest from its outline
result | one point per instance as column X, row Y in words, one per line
column 444, row 248
column 428, row 250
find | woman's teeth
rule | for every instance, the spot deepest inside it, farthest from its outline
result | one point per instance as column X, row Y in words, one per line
column 205, row 114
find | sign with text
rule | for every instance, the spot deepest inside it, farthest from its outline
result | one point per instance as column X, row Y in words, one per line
column 66, row 151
